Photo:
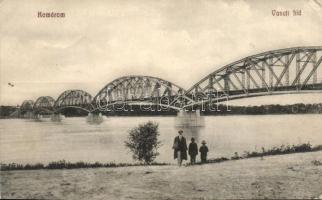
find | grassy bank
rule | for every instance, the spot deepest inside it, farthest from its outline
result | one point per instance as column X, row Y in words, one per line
column 281, row 150
column 62, row 164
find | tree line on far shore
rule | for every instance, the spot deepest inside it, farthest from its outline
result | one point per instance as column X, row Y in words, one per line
column 299, row 108
column 221, row 109
column 5, row 111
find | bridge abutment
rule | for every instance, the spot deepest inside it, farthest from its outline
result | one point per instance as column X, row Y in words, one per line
column 189, row 119
column 94, row 118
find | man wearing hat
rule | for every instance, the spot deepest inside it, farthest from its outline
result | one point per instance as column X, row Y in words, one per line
column 180, row 148
column 203, row 152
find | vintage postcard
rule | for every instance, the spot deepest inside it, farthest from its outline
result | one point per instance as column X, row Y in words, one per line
column 161, row 99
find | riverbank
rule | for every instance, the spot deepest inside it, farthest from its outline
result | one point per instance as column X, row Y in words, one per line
column 283, row 176
column 62, row 164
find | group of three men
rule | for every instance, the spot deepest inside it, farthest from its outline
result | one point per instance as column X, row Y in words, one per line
column 180, row 149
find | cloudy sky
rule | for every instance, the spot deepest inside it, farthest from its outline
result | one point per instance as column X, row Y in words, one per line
column 98, row 41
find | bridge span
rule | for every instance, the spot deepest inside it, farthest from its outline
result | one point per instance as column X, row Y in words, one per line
column 283, row 71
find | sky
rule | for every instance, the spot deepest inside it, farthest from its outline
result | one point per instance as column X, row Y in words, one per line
column 180, row 41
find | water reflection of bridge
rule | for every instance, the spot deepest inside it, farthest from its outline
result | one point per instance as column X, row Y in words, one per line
column 283, row 71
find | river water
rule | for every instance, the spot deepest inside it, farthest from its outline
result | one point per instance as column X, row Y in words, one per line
column 73, row 139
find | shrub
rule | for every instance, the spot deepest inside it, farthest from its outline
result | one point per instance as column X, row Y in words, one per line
column 236, row 156
column 317, row 163
column 217, row 160
column 317, row 148
column 143, row 142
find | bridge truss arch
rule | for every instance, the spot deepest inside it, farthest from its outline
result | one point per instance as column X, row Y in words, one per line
column 140, row 90
column 280, row 71
column 27, row 105
column 44, row 104
column 77, row 99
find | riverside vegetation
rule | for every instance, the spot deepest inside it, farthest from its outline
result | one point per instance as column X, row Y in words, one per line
column 288, row 149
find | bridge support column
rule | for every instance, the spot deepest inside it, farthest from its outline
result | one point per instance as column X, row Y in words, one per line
column 189, row 119
column 57, row 117
column 94, row 118
column 29, row 115
column 38, row 117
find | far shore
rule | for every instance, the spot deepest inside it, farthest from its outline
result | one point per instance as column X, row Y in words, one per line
column 6, row 112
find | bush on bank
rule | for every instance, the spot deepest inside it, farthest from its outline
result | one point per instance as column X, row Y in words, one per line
column 143, row 142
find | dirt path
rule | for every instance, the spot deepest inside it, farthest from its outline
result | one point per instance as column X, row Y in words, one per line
column 287, row 176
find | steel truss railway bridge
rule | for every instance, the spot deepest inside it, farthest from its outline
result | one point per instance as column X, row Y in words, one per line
column 283, row 71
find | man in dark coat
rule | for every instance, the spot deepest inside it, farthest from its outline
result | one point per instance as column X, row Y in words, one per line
column 193, row 151
column 180, row 148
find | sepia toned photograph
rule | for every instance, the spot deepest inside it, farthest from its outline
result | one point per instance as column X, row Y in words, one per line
column 161, row 99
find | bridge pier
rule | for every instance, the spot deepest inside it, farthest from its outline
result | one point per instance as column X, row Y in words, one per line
column 41, row 117
column 94, row 118
column 38, row 117
column 57, row 117
column 28, row 115
column 189, row 119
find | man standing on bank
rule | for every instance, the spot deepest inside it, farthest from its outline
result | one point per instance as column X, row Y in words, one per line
column 180, row 148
